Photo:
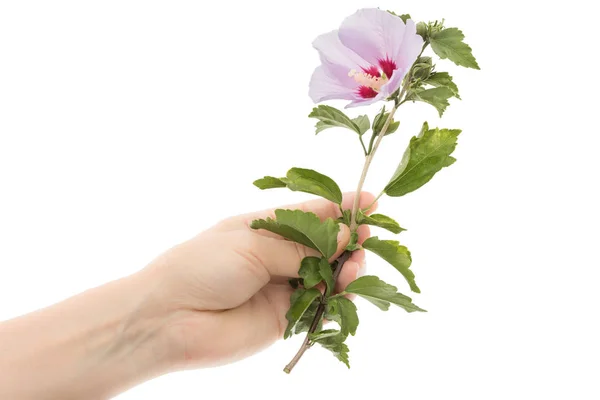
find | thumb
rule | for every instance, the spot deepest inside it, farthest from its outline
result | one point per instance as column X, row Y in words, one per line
column 343, row 239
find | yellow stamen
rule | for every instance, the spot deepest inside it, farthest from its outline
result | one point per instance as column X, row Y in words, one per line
column 367, row 80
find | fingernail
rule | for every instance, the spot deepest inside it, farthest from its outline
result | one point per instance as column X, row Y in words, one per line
column 363, row 270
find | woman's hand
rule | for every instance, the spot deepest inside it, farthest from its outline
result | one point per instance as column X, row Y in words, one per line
column 227, row 289
column 214, row 299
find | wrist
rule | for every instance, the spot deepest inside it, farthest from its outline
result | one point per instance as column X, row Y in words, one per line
column 144, row 332
column 124, row 341
column 158, row 320
column 120, row 336
column 94, row 345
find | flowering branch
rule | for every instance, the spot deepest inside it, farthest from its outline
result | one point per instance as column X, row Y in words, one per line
column 374, row 56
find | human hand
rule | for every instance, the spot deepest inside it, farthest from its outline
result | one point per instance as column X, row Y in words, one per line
column 225, row 292
column 213, row 299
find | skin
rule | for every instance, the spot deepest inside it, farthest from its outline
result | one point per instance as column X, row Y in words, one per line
column 214, row 299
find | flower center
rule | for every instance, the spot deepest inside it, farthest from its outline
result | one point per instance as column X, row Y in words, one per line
column 370, row 78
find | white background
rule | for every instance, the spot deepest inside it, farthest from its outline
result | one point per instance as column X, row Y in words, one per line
column 126, row 127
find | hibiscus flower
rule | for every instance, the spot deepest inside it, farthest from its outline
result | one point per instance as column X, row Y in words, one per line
column 366, row 59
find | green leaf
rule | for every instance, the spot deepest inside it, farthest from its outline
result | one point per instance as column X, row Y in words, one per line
column 269, row 182
column 380, row 220
column 327, row 275
column 353, row 243
column 313, row 270
column 330, row 117
column 342, row 311
column 321, row 126
column 403, row 17
column 304, row 228
column 322, row 234
column 320, row 335
column 305, row 322
column 442, row 79
column 313, row 182
column 346, row 216
column 437, row 97
column 300, row 301
column 395, row 254
column 426, row 154
column 381, row 294
column 379, row 123
column 448, row 43
column 304, row 180
column 309, row 271
column 363, row 123
column 336, row 345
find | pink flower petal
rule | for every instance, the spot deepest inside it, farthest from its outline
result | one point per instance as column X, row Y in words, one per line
column 364, row 102
column 393, row 84
column 323, row 87
column 331, row 48
column 373, row 34
column 339, row 73
column 411, row 47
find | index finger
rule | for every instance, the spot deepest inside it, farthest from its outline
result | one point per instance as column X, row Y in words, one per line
column 322, row 208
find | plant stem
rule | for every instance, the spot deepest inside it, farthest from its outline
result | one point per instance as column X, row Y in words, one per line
column 306, row 344
column 363, row 144
column 373, row 146
column 366, row 166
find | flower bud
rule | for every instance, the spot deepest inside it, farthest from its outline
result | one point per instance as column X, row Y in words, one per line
column 422, row 68
column 422, row 30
